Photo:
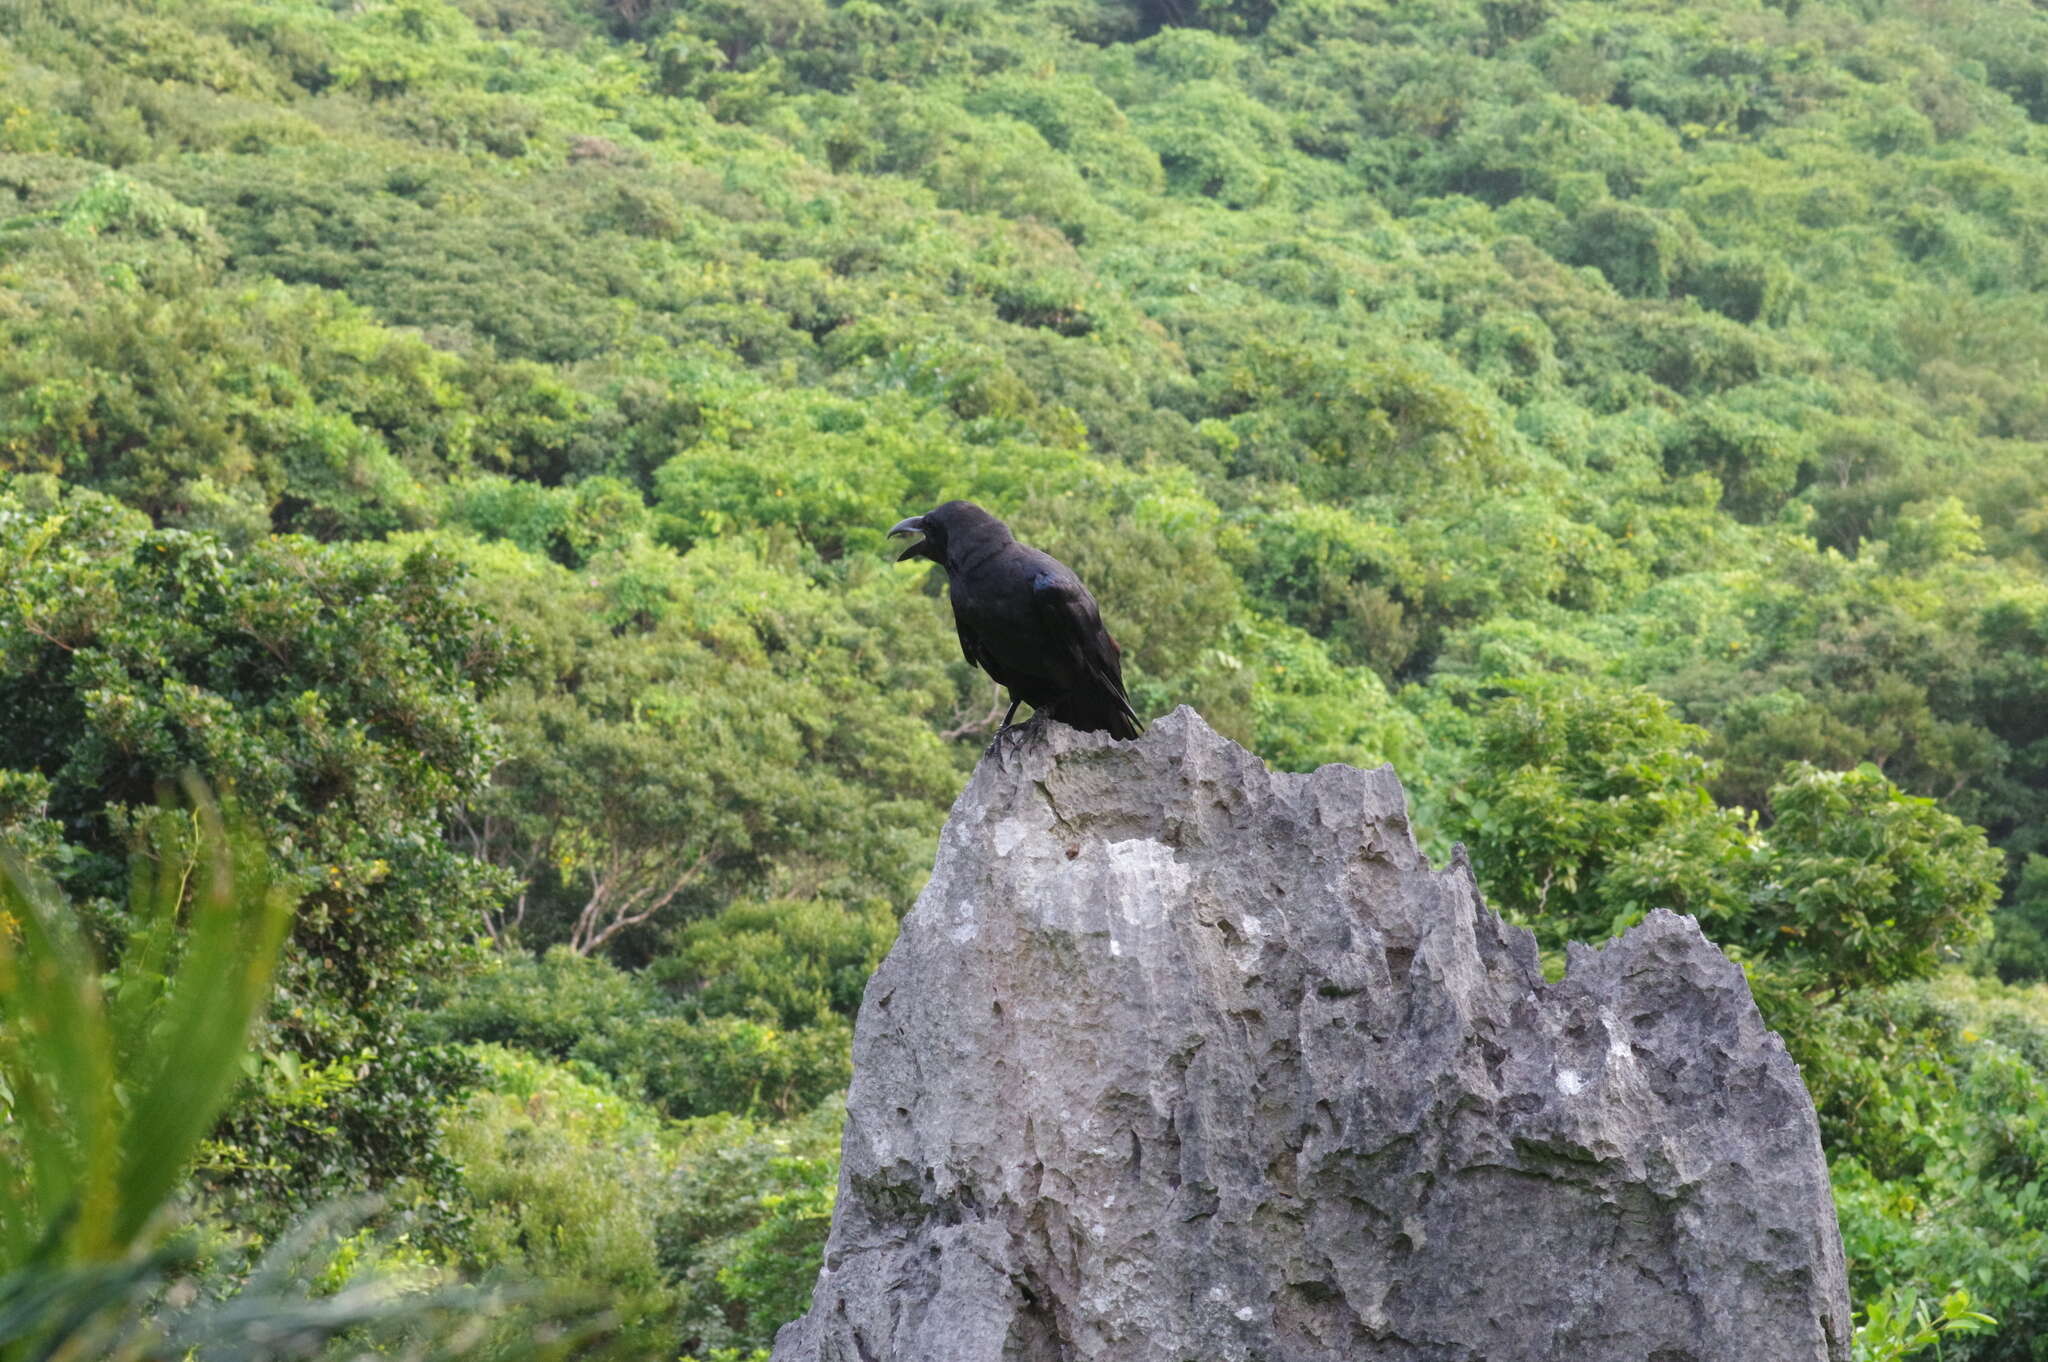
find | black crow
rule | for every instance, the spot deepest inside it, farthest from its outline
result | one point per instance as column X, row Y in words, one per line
column 1026, row 620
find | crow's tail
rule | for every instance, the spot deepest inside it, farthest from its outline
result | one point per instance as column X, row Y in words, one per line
column 1098, row 709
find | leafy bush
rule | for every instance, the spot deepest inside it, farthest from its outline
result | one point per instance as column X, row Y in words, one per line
column 1950, row 1195
column 548, row 1006
column 698, row 1067
column 1585, row 809
column 333, row 692
column 792, row 962
column 1900, row 1326
column 750, row 1014
column 1586, row 806
column 566, row 1178
column 706, row 1232
column 1864, row 885
column 745, row 1233
column 2020, row 947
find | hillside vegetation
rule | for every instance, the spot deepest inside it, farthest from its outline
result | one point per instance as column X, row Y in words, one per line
column 464, row 434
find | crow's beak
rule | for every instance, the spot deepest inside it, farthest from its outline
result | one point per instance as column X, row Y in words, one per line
column 914, row 525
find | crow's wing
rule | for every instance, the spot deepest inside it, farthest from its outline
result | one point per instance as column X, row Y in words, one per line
column 1072, row 629
column 969, row 647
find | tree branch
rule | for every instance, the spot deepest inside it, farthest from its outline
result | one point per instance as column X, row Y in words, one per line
column 975, row 725
column 598, row 923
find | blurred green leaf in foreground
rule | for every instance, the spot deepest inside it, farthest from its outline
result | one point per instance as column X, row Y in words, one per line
column 109, row 1083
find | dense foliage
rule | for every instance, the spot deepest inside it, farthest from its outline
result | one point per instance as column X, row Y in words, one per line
column 329, row 692
column 464, row 430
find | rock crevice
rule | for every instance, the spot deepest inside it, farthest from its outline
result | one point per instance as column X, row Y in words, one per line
column 1179, row 1059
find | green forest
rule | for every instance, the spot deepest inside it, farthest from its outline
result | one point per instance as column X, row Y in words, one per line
column 448, row 638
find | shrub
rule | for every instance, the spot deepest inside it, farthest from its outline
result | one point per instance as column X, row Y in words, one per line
column 551, row 1006
column 745, row 1229
column 1962, row 1095
column 797, row 962
column 566, row 1178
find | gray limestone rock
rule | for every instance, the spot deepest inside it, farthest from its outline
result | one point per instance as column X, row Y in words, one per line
column 1182, row 1060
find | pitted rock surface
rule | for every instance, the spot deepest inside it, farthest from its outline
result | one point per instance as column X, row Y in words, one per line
column 1179, row 1059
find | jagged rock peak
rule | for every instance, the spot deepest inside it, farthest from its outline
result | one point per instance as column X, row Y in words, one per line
column 1179, row 1059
